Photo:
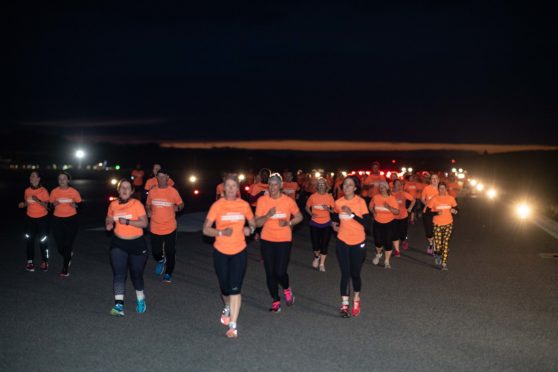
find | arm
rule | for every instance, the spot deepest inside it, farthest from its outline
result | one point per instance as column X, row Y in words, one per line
column 141, row 222
column 262, row 219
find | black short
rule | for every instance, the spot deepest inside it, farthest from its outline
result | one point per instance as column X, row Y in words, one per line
column 132, row 246
column 383, row 235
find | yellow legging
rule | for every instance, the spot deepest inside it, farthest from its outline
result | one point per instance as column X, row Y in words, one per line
column 442, row 235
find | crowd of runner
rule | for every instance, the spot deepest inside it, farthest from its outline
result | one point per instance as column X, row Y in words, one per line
column 263, row 209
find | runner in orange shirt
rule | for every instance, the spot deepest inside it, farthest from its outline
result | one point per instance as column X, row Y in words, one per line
column 277, row 213
column 137, row 176
column 370, row 184
column 152, row 182
column 35, row 200
column 428, row 193
column 443, row 207
column 220, row 189
column 65, row 200
column 260, row 187
column 230, row 215
column 402, row 219
column 384, row 207
column 413, row 188
column 128, row 249
column 351, row 222
column 290, row 188
column 319, row 206
column 453, row 187
column 162, row 204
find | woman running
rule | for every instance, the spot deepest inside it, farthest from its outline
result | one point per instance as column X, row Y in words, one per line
column 352, row 222
column 384, row 207
column 402, row 219
column 319, row 206
column 428, row 193
column 230, row 214
column 66, row 201
column 274, row 213
column 35, row 199
column 443, row 206
column 128, row 249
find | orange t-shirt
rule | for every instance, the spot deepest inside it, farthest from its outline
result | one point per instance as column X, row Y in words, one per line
column 316, row 202
column 220, row 191
column 138, row 175
column 256, row 188
column 34, row 209
column 162, row 203
column 442, row 204
column 381, row 213
column 230, row 213
column 428, row 193
column 350, row 231
column 132, row 210
column 285, row 207
column 65, row 198
column 152, row 182
column 412, row 188
column 290, row 189
column 338, row 188
column 401, row 198
column 372, row 181
column 453, row 189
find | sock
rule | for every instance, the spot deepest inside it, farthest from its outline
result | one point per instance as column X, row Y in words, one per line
column 140, row 295
column 345, row 302
column 232, row 325
column 227, row 310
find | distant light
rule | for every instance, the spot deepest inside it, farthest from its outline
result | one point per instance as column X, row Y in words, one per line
column 132, row 178
column 247, row 188
column 367, row 173
column 80, row 154
column 388, row 175
column 460, row 170
column 113, row 181
column 523, row 210
column 112, row 198
column 344, row 174
column 460, row 176
column 117, row 167
column 393, row 161
column 491, row 193
column 453, row 161
column 317, row 175
column 193, row 179
column 403, row 169
column 473, row 182
column 100, row 164
column 453, row 170
column 410, row 170
column 382, row 173
column 480, row 187
column 360, row 173
column 332, row 174
column 241, row 177
column 196, row 192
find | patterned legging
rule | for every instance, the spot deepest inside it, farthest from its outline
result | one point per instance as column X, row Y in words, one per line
column 442, row 235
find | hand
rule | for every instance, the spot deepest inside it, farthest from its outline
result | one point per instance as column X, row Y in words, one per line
column 227, row 232
column 55, row 203
column 149, row 213
column 22, row 205
column 36, row 199
column 314, row 215
column 453, row 211
column 346, row 209
column 246, row 231
column 284, row 223
column 175, row 208
column 109, row 226
column 122, row 221
column 387, row 206
column 335, row 226
column 271, row 212
column 325, row 207
column 73, row 205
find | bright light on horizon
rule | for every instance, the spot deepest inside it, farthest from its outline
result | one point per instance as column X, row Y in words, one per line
column 80, row 154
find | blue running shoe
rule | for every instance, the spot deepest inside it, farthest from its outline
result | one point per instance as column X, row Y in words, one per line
column 160, row 267
column 117, row 310
column 167, row 278
column 141, row 306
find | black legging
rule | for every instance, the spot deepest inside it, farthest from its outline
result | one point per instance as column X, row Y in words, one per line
column 351, row 258
column 65, row 230
column 127, row 255
column 427, row 218
column 276, row 256
column 37, row 229
column 230, row 270
column 169, row 242
column 320, row 238
column 401, row 228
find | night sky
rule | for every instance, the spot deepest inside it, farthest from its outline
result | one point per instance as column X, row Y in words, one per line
column 458, row 72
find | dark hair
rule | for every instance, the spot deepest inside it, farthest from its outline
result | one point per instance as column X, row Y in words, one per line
column 442, row 183
column 65, row 174
column 356, row 181
column 164, row 171
column 36, row 172
column 376, row 163
column 122, row 180
column 231, row 177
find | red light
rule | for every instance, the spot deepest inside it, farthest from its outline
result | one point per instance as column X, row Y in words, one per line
column 453, row 161
column 393, row 161
column 382, row 173
column 196, row 192
column 247, row 188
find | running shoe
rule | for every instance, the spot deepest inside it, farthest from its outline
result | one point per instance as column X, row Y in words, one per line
column 160, row 267
column 387, row 265
column 322, row 268
column 289, row 297
column 437, row 260
column 275, row 307
column 376, row 259
column 344, row 311
column 167, row 278
column 232, row 333
column 405, row 245
column 64, row 273
column 44, row 266
column 396, row 253
column 444, row 267
column 316, row 263
column 117, row 310
column 356, row 308
column 141, row 306
column 30, row 267
column 226, row 316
